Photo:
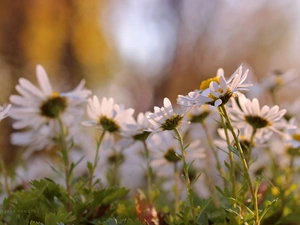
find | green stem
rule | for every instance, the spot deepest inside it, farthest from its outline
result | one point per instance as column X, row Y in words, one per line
column 65, row 151
column 176, row 188
column 62, row 141
column 274, row 96
column 113, row 178
column 149, row 172
column 251, row 145
column 92, row 172
column 245, row 165
column 186, row 175
column 231, row 159
column 289, row 177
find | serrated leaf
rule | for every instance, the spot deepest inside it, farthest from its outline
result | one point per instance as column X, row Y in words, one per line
column 35, row 223
column 60, row 218
column 114, row 194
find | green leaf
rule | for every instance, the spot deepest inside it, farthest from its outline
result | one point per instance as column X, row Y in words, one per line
column 35, row 223
column 90, row 166
column 60, row 218
column 269, row 204
column 237, row 201
column 234, row 151
column 113, row 194
column 220, row 191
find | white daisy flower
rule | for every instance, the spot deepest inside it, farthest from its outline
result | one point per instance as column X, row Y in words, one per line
column 4, row 111
column 36, row 168
column 292, row 136
column 244, row 136
column 216, row 91
column 258, row 160
column 277, row 78
column 165, row 118
column 199, row 114
column 245, row 112
column 283, row 152
column 292, row 108
column 39, row 108
column 140, row 129
column 108, row 116
column 136, row 132
column 34, row 139
column 165, row 152
column 45, row 137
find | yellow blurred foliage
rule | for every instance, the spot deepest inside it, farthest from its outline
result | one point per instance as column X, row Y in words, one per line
column 45, row 31
column 50, row 27
column 87, row 38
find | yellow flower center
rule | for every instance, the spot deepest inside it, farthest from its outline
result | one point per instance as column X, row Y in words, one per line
column 211, row 96
column 296, row 137
column 279, row 80
column 205, row 84
column 55, row 94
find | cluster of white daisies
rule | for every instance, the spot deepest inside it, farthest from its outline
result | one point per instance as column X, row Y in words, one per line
column 39, row 112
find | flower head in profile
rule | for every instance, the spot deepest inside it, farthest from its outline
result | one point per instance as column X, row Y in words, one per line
column 4, row 111
column 107, row 115
column 137, row 132
column 216, row 91
column 165, row 118
column 246, row 112
column 198, row 114
column 140, row 130
column 40, row 108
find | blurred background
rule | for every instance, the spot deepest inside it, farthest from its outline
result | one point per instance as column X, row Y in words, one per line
column 140, row 51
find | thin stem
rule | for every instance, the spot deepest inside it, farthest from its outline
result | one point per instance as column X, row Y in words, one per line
column 274, row 96
column 212, row 147
column 289, row 177
column 113, row 178
column 251, row 145
column 64, row 151
column 176, row 188
column 149, row 171
column 231, row 159
column 186, row 175
column 62, row 141
column 245, row 165
column 96, row 159
column 288, row 181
